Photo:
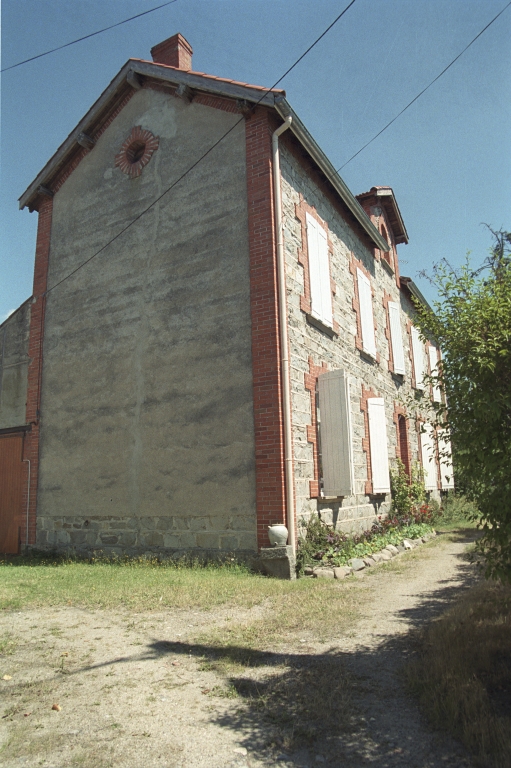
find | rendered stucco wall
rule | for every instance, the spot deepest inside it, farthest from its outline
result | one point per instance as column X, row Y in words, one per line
column 147, row 436
column 308, row 342
column 14, row 366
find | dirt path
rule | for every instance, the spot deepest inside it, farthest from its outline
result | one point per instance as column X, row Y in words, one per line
column 136, row 690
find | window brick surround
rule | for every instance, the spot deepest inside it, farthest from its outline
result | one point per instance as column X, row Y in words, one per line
column 354, row 264
column 386, row 298
column 311, row 380
column 35, row 366
column 301, row 209
column 366, row 446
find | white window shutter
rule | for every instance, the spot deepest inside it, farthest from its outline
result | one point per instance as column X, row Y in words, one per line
column 398, row 354
column 433, row 364
column 418, row 358
column 336, row 434
column 378, row 445
column 446, row 468
column 319, row 272
column 428, row 453
column 365, row 300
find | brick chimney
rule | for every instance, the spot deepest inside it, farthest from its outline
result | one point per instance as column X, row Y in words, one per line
column 175, row 52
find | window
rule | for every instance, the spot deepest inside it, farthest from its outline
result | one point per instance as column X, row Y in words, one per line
column 433, row 364
column 365, row 299
column 428, row 452
column 378, row 445
column 398, row 354
column 335, row 434
column 319, row 272
column 418, row 358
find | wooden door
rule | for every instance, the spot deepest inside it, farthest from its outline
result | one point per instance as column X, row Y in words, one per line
column 11, row 467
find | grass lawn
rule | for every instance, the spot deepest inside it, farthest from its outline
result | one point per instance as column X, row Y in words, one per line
column 462, row 673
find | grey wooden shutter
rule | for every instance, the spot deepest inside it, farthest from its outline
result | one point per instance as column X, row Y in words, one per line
column 398, row 354
column 446, row 468
column 378, row 445
column 335, row 434
column 418, row 358
column 433, row 364
column 428, row 452
column 319, row 271
column 365, row 299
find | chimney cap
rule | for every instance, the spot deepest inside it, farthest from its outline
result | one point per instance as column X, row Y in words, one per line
column 175, row 51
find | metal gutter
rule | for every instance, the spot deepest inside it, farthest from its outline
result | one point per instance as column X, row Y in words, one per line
column 304, row 137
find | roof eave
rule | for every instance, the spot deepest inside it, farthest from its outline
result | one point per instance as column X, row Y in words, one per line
column 304, row 137
column 147, row 69
column 414, row 290
column 402, row 237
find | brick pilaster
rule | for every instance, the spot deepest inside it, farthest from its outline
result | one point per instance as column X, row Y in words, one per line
column 266, row 367
column 35, row 366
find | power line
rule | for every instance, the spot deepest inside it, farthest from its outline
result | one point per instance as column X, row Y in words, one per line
column 201, row 158
column 86, row 37
column 423, row 90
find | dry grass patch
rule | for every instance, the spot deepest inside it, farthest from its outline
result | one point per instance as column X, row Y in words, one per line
column 462, row 674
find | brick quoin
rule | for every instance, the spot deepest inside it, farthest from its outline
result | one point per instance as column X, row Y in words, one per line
column 266, row 366
column 311, row 380
column 35, row 366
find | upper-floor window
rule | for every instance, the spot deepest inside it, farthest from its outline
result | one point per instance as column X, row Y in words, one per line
column 365, row 299
column 319, row 272
column 418, row 358
column 396, row 338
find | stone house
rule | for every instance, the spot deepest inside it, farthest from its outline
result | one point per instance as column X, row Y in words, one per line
column 219, row 337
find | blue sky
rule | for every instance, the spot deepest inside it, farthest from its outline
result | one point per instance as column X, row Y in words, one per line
column 448, row 158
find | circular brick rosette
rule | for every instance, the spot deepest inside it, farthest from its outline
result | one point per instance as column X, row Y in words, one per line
column 136, row 151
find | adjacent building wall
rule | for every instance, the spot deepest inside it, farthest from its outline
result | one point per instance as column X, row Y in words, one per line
column 147, row 433
column 14, row 334
column 313, row 351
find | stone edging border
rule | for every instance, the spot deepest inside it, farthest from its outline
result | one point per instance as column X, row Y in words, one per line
column 359, row 563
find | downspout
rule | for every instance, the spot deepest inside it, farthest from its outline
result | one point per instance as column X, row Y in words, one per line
column 284, row 346
column 28, row 501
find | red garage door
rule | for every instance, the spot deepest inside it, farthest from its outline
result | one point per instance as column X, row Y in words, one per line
column 11, row 466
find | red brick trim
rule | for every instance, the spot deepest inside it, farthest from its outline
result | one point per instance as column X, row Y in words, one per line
column 354, row 264
column 266, row 367
column 35, row 366
column 403, row 452
column 366, row 446
column 139, row 137
column 311, row 380
column 301, row 209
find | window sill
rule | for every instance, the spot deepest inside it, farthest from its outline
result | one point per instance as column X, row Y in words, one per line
column 326, row 329
column 368, row 357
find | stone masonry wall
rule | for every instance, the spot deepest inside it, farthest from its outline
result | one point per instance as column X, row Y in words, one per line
column 313, row 349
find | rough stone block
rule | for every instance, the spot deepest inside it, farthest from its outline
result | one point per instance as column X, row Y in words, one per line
column 208, row 540
column 277, row 561
column 357, row 563
column 342, row 571
column 377, row 557
column 385, row 555
column 408, row 544
column 108, row 540
column 369, row 561
column 152, row 539
column 171, row 541
column 128, row 539
column 229, row 543
column 392, row 549
column 324, row 573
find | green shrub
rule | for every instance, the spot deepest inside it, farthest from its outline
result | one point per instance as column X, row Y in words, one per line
column 456, row 508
